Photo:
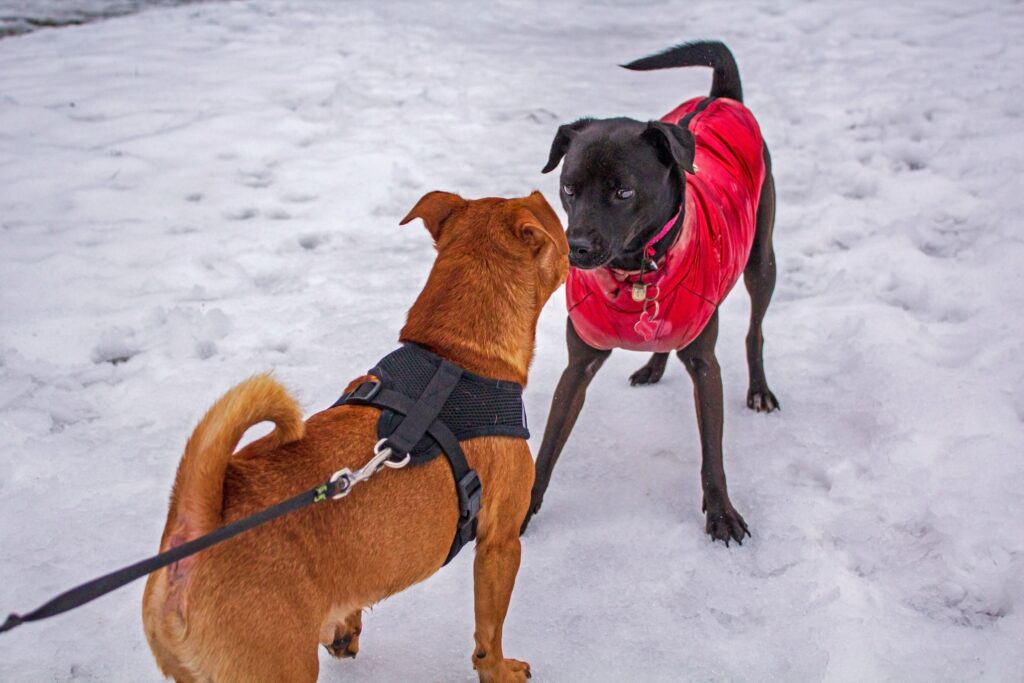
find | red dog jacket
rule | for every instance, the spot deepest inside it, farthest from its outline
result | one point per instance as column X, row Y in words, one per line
column 614, row 309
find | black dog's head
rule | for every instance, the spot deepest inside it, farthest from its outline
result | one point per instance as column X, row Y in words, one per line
column 622, row 180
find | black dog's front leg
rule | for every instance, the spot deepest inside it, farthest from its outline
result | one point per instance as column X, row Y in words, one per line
column 723, row 522
column 584, row 362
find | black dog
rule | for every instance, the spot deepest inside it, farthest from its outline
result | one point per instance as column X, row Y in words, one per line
column 623, row 180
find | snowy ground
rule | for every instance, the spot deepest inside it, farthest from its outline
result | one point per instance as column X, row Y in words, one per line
column 209, row 191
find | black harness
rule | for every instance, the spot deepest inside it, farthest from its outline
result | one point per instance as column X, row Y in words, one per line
column 428, row 406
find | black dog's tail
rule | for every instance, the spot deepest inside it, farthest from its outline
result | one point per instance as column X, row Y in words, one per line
column 726, row 81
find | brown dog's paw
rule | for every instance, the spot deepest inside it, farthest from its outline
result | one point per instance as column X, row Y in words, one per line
column 762, row 401
column 505, row 671
column 346, row 637
column 725, row 524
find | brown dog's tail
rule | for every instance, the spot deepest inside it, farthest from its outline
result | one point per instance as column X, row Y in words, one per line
column 713, row 53
column 197, row 498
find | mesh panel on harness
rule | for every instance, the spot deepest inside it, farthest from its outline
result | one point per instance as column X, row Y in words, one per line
column 477, row 406
column 428, row 405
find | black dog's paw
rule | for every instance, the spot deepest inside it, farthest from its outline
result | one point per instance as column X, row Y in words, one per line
column 762, row 400
column 725, row 524
column 534, row 509
column 651, row 372
column 646, row 375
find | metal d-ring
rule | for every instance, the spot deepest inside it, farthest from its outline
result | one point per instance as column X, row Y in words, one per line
column 398, row 464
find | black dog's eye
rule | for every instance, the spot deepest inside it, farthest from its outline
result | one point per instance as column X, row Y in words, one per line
column 624, row 193
column 569, row 189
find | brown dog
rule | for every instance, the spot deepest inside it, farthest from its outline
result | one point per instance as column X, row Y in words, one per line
column 254, row 608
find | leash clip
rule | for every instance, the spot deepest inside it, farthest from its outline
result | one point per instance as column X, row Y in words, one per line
column 345, row 479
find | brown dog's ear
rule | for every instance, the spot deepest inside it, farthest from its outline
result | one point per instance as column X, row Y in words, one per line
column 560, row 145
column 537, row 225
column 674, row 144
column 540, row 224
column 434, row 208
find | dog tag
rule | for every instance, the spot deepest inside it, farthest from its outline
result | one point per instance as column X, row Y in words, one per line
column 639, row 291
column 645, row 327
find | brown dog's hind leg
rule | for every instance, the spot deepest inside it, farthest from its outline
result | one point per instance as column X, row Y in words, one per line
column 759, row 278
column 723, row 522
column 344, row 641
column 651, row 372
column 497, row 562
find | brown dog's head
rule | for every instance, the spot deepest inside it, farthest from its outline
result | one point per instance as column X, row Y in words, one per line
column 498, row 262
column 522, row 234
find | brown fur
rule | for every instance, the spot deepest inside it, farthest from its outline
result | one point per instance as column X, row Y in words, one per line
column 255, row 607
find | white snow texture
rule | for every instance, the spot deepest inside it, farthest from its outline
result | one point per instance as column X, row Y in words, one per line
column 192, row 195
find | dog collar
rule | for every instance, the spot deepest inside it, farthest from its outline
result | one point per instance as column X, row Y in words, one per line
column 643, row 293
column 649, row 251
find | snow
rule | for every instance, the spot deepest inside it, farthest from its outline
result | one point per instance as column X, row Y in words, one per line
column 191, row 195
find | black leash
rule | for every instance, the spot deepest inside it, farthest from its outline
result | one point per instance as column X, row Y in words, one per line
column 96, row 588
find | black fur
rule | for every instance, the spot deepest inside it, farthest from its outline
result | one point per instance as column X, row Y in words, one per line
column 726, row 79
column 605, row 157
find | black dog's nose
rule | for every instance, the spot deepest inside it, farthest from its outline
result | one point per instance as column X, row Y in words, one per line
column 579, row 247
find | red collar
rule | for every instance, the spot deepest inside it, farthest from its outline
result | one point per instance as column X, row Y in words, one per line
column 649, row 249
column 622, row 275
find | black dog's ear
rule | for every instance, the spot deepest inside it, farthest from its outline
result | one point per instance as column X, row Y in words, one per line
column 560, row 145
column 674, row 143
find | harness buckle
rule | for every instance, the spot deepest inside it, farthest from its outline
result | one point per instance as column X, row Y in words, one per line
column 469, row 488
column 364, row 392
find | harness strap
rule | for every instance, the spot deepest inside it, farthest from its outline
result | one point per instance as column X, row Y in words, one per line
column 425, row 411
column 685, row 121
column 467, row 483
